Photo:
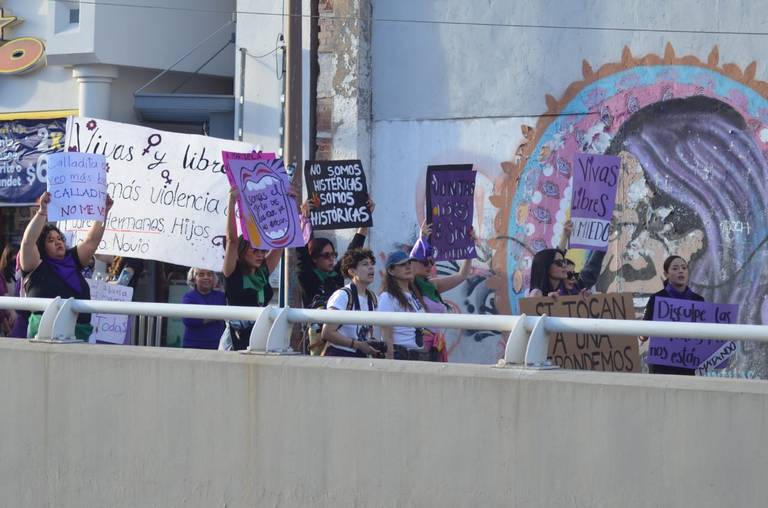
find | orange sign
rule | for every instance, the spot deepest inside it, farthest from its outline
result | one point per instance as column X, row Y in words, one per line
column 19, row 55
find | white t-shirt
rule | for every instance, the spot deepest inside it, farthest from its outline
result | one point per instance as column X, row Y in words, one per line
column 401, row 335
column 338, row 301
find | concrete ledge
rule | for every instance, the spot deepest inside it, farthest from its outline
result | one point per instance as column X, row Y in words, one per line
column 118, row 426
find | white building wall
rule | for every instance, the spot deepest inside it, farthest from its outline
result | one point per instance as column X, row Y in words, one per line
column 448, row 92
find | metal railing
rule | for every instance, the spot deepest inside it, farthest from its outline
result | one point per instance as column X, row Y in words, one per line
column 527, row 340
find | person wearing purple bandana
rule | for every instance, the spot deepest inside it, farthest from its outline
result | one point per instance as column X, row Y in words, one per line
column 50, row 269
column 675, row 286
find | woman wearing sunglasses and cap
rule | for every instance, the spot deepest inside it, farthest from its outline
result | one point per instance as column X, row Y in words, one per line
column 431, row 288
column 400, row 295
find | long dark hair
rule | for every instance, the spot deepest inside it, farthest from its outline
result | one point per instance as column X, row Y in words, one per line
column 542, row 260
column 44, row 234
column 390, row 285
column 8, row 261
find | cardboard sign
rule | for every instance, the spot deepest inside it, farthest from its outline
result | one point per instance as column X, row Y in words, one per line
column 78, row 186
column 269, row 216
column 340, row 194
column 24, row 147
column 595, row 180
column 580, row 351
column 112, row 328
column 170, row 192
column 450, row 210
column 701, row 354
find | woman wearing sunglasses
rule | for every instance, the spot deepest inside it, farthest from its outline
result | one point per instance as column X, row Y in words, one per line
column 246, row 273
column 548, row 273
column 319, row 272
column 431, row 288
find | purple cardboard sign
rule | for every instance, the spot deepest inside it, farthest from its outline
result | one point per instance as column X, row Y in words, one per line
column 701, row 354
column 269, row 217
column 595, row 180
column 450, row 208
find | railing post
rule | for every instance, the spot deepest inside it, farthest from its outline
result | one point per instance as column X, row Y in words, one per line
column 538, row 345
column 517, row 342
column 279, row 338
column 57, row 324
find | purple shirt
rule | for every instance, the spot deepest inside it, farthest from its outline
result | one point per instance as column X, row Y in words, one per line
column 197, row 334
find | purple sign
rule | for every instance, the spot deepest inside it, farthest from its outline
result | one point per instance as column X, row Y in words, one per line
column 450, row 207
column 595, row 179
column 701, row 354
column 269, row 217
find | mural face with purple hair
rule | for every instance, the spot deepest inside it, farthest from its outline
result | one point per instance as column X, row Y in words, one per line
column 693, row 139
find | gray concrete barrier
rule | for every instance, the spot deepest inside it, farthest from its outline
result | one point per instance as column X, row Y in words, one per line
column 119, row 426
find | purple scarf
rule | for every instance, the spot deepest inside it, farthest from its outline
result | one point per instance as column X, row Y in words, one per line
column 673, row 293
column 67, row 269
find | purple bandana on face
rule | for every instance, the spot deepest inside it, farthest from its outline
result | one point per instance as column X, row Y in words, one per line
column 673, row 293
column 66, row 269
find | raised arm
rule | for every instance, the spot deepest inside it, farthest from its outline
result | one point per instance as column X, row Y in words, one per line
column 566, row 236
column 230, row 251
column 449, row 282
column 87, row 248
column 273, row 259
column 364, row 230
column 28, row 253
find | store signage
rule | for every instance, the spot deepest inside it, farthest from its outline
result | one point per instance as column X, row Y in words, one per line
column 21, row 54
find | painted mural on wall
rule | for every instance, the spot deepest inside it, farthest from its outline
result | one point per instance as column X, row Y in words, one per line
column 693, row 140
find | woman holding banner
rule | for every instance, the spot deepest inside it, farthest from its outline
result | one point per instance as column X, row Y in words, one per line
column 675, row 286
column 246, row 278
column 431, row 288
column 50, row 269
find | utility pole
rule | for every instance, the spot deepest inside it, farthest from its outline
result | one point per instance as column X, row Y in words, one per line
column 292, row 136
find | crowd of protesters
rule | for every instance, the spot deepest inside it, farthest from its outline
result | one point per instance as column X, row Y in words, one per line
column 43, row 266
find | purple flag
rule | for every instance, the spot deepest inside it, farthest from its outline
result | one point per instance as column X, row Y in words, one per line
column 269, row 217
column 450, row 207
column 701, row 354
column 595, row 179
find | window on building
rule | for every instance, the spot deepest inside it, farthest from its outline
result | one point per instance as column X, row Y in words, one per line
column 74, row 16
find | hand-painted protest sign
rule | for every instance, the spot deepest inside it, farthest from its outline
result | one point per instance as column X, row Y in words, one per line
column 450, row 209
column 112, row 328
column 701, row 354
column 595, row 180
column 170, row 192
column 339, row 193
column 586, row 351
column 24, row 147
column 269, row 216
column 77, row 183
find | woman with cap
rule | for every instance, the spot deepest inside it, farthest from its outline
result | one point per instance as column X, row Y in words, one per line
column 400, row 295
column 431, row 288
column 202, row 333
column 50, row 269
column 319, row 272
column 246, row 273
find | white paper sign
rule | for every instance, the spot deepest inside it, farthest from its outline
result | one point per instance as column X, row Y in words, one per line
column 78, row 186
column 170, row 192
column 111, row 328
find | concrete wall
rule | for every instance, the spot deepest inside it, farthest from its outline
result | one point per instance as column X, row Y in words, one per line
column 449, row 88
column 124, row 427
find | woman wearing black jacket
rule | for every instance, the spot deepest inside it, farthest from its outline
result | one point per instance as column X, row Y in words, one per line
column 675, row 286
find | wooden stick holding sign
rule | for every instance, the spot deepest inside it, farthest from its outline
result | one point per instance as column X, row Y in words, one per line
column 450, row 210
column 339, row 193
column 585, row 351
